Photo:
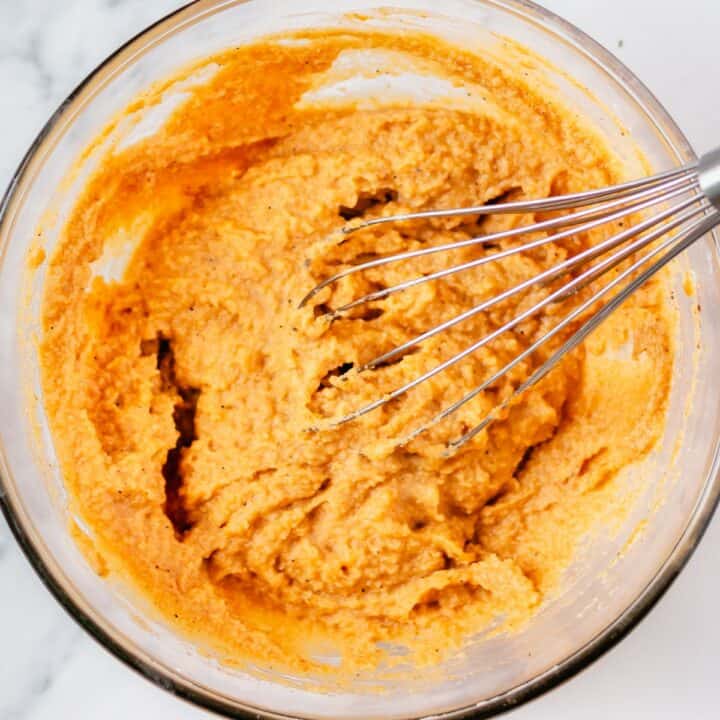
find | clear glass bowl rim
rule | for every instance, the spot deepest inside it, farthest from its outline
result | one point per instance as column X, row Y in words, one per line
column 583, row 657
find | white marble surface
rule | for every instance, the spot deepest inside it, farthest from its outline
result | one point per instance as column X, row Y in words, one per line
column 49, row 668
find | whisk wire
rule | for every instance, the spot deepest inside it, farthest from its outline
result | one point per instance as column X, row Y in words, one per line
column 544, row 277
column 680, row 242
column 570, row 232
column 581, row 199
column 640, row 202
column 581, row 281
column 685, row 205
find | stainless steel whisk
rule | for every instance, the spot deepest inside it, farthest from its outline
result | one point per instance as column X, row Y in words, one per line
column 677, row 208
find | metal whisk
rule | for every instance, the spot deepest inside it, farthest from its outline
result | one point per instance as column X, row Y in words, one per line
column 676, row 209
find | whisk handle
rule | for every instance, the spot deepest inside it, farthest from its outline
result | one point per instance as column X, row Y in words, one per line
column 709, row 176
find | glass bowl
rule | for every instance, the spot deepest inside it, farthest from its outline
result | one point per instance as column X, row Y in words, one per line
column 615, row 579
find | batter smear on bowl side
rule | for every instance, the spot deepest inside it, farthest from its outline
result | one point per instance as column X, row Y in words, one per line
column 180, row 395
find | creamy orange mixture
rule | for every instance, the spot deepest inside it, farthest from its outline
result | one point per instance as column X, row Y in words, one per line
column 180, row 395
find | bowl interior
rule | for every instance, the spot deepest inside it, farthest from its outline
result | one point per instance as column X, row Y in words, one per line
column 614, row 578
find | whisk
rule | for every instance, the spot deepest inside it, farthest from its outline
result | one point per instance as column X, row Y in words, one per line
column 670, row 211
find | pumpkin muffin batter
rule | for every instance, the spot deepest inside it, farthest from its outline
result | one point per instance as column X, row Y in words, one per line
column 181, row 394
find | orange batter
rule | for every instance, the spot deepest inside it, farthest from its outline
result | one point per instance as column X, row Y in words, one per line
column 180, row 395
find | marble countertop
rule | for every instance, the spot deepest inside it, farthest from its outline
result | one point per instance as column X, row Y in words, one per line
column 49, row 668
